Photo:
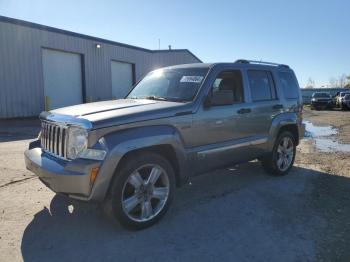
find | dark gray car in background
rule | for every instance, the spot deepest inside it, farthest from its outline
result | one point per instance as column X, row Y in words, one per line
column 346, row 102
column 321, row 100
column 177, row 122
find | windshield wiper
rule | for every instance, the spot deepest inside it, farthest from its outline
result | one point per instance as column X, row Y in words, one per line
column 177, row 99
column 155, row 98
column 159, row 98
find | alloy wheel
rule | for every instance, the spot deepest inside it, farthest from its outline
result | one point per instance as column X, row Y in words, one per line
column 285, row 153
column 145, row 192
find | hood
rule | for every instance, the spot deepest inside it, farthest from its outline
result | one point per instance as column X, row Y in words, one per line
column 98, row 107
column 115, row 112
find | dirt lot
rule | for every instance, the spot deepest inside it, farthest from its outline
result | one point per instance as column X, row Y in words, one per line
column 238, row 214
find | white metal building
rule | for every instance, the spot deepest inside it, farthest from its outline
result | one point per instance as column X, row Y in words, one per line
column 44, row 67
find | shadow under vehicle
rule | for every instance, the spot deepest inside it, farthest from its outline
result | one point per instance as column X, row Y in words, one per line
column 233, row 214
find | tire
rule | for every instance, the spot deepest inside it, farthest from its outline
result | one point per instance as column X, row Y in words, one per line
column 134, row 199
column 272, row 164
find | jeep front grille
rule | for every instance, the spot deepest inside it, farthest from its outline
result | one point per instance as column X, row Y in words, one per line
column 53, row 139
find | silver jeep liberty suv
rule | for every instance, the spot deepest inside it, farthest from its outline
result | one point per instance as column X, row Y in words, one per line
column 177, row 122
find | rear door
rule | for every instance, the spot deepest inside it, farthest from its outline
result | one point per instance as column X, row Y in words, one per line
column 264, row 104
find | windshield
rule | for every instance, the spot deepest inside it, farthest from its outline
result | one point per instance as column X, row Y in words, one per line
column 321, row 95
column 178, row 84
column 347, row 97
column 343, row 94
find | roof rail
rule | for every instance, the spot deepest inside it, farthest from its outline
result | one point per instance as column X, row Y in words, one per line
column 244, row 61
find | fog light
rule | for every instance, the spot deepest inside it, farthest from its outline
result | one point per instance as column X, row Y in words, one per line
column 93, row 174
column 94, row 154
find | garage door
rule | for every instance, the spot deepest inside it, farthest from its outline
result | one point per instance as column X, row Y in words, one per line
column 122, row 78
column 62, row 79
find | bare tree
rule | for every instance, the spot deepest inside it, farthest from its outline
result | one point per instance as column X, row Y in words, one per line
column 310, row 83
column 347, row 85
column 342, row 80
column 333, row 82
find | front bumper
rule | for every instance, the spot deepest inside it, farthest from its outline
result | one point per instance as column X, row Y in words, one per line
column 323, row 104
column 68, row 177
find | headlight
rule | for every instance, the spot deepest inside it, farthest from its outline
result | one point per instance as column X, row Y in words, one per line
column 77, row 141
column 313, row 99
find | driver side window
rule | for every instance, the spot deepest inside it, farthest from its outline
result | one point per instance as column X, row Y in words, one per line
column 230, row 80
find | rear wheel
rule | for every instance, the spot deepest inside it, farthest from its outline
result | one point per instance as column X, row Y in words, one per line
column 142, row 190
column 281, row 160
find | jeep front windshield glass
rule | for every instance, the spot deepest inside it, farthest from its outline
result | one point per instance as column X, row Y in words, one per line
column 178, row 84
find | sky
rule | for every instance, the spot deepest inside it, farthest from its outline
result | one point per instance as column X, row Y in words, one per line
column 313, row 37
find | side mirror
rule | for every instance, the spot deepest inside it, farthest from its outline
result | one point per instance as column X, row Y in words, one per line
column 219, row 98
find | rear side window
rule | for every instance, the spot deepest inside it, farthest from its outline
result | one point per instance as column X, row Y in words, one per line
column 262, row 86
column 289, row 85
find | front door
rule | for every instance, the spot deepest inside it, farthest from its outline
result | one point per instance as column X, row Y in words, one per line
column 217, row 131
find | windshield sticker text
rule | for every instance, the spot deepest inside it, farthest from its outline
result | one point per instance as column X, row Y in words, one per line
column 191, row 79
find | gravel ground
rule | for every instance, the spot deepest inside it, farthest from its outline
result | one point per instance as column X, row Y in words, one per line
column 237, row 214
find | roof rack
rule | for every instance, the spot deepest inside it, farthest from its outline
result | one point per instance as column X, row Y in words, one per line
column 244, row 61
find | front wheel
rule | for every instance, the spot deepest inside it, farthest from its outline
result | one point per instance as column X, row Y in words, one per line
column 142, row 190
column 281, row 159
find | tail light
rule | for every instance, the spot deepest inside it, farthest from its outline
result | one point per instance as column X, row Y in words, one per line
column 300, row 112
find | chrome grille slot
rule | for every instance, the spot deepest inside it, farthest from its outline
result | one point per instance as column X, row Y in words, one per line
column 53, row 138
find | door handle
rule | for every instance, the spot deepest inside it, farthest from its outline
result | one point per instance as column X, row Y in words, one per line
column 278, row 106
column 244, row 111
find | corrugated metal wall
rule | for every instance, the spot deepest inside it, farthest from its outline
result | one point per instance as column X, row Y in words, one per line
column 21, row 70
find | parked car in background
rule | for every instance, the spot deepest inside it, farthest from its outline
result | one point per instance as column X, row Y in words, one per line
column 346, row 102
column 177, row 122
column 334, row 100
column 321, row 100
column 340, row 99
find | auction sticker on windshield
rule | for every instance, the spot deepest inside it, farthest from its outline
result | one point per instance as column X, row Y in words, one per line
column 191, row 79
